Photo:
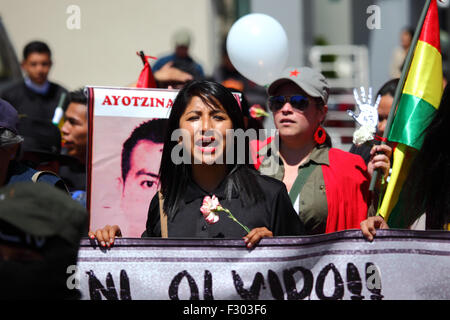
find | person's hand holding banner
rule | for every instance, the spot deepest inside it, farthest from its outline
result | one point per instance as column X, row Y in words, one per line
column 106, row 236
column 370, row 225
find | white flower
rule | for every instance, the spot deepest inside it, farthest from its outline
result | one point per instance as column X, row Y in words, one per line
column 362, row 135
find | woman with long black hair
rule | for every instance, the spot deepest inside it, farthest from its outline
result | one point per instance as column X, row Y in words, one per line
column 203, row 166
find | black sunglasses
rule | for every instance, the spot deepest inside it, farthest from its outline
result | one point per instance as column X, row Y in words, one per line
column 298, row 102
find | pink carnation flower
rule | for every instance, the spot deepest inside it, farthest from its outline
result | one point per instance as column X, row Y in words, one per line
column 211, row 206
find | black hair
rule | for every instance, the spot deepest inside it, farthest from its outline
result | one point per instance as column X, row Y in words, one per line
column 388, row 88
column 36, row 46
column 77, row 96
column 427, row 187
column 152, row 130
column 174, row 178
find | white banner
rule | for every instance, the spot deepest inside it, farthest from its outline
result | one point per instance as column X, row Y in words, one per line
column 398, row 264
column 133, row 102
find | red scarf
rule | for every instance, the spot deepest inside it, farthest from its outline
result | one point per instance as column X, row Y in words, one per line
column 347, row 188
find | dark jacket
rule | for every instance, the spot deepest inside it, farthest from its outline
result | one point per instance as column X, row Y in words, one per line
column 275, row 213
column 18, row 172
column 364, row 149
column 31, row 104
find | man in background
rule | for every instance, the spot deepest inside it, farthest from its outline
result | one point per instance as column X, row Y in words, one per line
column 74, row 134
column 35, row 96
column 181, row 58
column 75, row 127
column 400, row 52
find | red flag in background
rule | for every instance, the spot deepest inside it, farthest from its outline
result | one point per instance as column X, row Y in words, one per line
column 146, row 79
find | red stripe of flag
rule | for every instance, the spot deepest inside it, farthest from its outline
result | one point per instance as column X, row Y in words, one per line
column 430, row 29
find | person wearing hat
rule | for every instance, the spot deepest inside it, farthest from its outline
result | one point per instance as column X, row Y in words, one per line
column 40, row 233
column 181, row 59
column 328, row 187
column 11, row 170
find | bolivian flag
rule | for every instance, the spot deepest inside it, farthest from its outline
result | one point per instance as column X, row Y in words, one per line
column 420, row 99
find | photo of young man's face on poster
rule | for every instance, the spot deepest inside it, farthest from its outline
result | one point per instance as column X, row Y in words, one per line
column 125, row 158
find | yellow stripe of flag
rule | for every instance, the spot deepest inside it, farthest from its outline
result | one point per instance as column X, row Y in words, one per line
column 425, row 75
column 400, row 169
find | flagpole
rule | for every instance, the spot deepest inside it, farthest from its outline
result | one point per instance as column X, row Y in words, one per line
column 142, row 55
column 401, row 84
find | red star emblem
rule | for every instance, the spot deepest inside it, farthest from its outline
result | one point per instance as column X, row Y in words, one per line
column 294, row 73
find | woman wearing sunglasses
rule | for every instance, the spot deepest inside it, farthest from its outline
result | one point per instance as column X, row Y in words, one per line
column 328, row 187
column 197, row 162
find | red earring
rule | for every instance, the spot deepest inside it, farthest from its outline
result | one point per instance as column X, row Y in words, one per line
column 320, row 135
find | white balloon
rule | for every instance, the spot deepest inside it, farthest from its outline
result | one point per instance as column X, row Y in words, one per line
column 258, row 47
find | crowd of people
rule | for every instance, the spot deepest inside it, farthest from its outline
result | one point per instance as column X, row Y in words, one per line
column 300, row 184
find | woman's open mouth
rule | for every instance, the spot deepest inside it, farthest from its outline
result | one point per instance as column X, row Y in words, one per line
column 206, row 144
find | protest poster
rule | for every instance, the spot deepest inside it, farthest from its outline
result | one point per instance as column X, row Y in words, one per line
column 122, row 176
column 398, row 264
column 124, row 152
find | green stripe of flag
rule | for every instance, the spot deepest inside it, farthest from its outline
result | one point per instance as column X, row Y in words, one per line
column 413, row 116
